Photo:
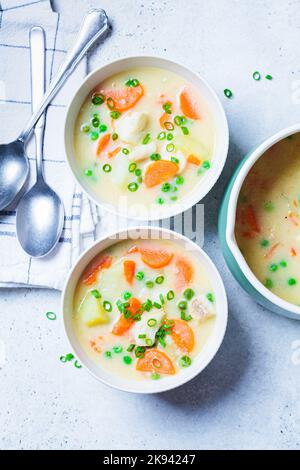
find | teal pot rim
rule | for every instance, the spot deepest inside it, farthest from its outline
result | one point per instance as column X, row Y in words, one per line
column 227, row 225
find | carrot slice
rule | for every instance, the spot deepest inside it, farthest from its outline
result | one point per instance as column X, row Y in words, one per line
column 182, row 335
column 125, row 98
column 294, row 252
column 155, row 258
column 184, row 273
column 114, row 152
column 156, row 361
column 102, row 144
column 123, row 324
column 159, row 172
column 193, row 159
column 100, row 262
column 189, row 105
column 251, row 219
column 133, row 249
column 272, row 250
column 129, row 270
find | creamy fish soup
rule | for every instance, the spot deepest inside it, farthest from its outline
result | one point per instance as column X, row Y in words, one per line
column 144, row 311
column 268, row 219
column 143, row 136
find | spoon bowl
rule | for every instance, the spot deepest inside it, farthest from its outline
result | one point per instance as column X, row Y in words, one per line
column 14, row 170
column 40, row 218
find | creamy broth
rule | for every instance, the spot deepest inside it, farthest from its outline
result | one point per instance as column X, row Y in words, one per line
column 140, row 321
column 268, row 219
column 153, row 142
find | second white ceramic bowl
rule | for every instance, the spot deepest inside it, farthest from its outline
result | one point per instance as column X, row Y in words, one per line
column 220, row 121
column 199, row 363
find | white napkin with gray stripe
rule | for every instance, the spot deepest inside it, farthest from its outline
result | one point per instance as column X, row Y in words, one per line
column 16, row 19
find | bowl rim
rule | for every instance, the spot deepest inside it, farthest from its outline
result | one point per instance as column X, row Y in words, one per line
column 187, row 201
column 231, row 211
column 217, row 335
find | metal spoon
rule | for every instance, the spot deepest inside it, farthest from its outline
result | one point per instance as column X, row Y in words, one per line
column 40, row 213
column 14, row 166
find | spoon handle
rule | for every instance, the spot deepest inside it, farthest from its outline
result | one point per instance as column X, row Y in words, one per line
column 94, row 26
column 37, row 62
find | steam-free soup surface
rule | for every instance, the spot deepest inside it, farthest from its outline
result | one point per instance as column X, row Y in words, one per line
column 268, row 219
column 143, row 136
column 144, row 310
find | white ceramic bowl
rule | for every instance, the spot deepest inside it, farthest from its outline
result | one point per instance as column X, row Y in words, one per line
column 199, row 363
column 221, row 145
column 231, row 251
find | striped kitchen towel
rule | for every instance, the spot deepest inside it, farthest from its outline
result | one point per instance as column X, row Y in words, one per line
column 16, row 19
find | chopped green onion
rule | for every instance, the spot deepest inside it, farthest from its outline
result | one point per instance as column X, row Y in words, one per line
column 118, row 349
column 149, row 284
column 95, row 293
column 210, row 297
column 256, row 75
column 166, row 187
column 160, row 200
column 148, row 305
column 155, row 156
column 103, row 128
column 161, row 135
column 273, row 267
column 155, row 376
column 138, row 172
column 108, row 353
column 69, row 357
column 179, row 120
column 115, row 114
column 151, row 322
column 149, row 342
column 94, row 135
column 127, row 295
column 146, row 139
column 77, row 365
column 179, row 179
column 110, row 103
column 85, row 128
column 142, row 336
column 140, row 275
column 63, row 359
column 292, row 281
column 125, row 151
column 264, row 243
column 139, row 351
column 132, row 167
column 162, row 342
column 133, row 82
column 88, row 172
column 51, row 315
column 185, row 130
column 96, row 122
column 174, row 160
column 127, row 360
column 170, row 136
column 189, row 294
column 185, row 361
column 170, row 295
column 169, row 126
column 283, row 264
column 167, row 107
column 107, row 306
column 98, row 98
column 269, row 206
column 184, row 317
column 133, row 187
column 161, row 298
column 228, row 93
column 107, row 168
column 114, row 136
column 156, row 305
column 269, row 283
column 182, row 305
column 173, row 198
column 170, row 148
column 131, row 347
column 268, row 77
column 206, row 164
column 159, row 279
